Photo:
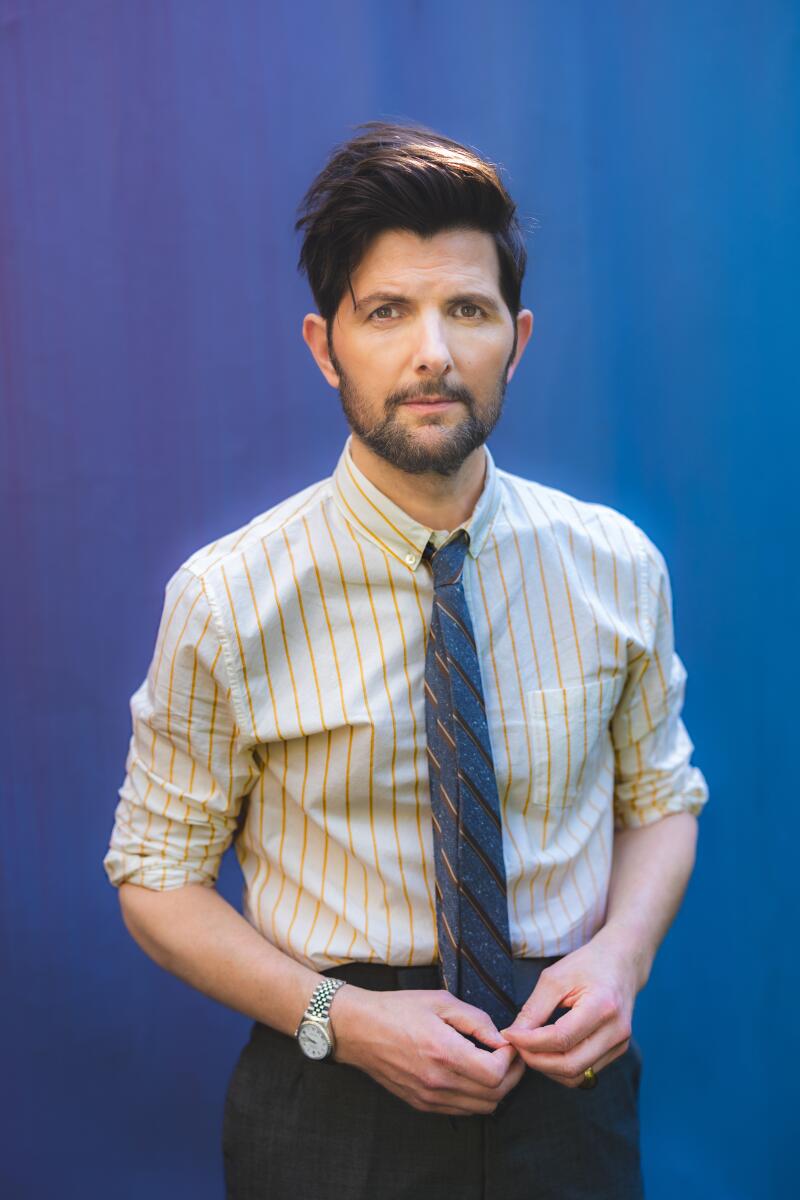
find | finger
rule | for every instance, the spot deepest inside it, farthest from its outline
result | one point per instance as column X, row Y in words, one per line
column 512, row 1076
column 568, row 1031
column 484, row 1067
column 458, row 1106
column 596, row 1052
column 505, row 1057
column 469, row 1019
column 539, row 1006
column 614, row 1053
column 577, row 1080
column 476, row 1091
column 471, row 1096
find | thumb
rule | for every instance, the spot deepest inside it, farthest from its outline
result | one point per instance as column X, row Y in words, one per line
column 538, row 1008
column 474, row 1022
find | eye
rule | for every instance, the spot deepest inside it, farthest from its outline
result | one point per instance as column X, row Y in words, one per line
column 477, row 310
column 382, row 314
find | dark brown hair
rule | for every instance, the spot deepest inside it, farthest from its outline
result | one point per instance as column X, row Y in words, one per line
column 402, row 177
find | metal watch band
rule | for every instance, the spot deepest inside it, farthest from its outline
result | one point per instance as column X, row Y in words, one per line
column 320, row 1003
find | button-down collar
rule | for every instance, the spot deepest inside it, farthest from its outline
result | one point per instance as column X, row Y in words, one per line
column 374, row 514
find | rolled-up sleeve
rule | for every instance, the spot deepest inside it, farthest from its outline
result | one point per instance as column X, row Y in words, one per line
column 654, row 775
column 187, row 769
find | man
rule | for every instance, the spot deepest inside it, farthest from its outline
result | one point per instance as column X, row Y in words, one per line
column 442, row 703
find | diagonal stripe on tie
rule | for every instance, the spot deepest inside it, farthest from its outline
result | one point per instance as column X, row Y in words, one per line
column 478, row 796
column 501, row 940
column 491, row 869
column 473, row 734
column 471, row 896
column 453, row 663
column 498, row 999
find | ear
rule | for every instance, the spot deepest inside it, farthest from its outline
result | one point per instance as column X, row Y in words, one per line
column 316, row 338
column 524, row 331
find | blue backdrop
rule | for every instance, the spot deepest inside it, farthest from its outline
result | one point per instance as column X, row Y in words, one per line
column 156, row 393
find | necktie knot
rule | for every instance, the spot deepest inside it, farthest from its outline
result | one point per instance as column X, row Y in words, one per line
column 447, row 562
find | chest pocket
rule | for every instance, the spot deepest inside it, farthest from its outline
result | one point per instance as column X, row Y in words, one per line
column 562, row 742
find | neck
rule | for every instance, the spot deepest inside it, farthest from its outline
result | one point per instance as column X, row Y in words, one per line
column 438, row 501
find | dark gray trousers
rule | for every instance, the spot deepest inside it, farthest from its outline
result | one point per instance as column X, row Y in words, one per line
column 294, row 1129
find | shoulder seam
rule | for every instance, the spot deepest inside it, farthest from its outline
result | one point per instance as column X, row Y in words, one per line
column 224, row 643
column 644, row 585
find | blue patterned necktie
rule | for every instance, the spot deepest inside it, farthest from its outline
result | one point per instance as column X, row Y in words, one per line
column 475, row 958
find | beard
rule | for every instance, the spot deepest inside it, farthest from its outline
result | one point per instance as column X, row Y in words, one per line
column 400, row 445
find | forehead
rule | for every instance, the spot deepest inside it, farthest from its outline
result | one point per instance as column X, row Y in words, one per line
column 398, row 258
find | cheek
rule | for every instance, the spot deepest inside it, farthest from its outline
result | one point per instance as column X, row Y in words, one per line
column 378, row 369
column 481, row 372
column 483, row 353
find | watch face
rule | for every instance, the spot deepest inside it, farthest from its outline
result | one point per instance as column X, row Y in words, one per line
column 313, row 1041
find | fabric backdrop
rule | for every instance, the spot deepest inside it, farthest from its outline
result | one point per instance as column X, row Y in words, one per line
column 156, row 393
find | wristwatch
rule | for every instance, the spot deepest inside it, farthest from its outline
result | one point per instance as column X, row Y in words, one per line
column 314, row 1032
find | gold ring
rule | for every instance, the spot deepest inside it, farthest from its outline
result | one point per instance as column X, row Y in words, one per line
column 589, row 1079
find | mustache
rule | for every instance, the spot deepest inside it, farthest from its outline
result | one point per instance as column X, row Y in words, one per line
column 447, row 393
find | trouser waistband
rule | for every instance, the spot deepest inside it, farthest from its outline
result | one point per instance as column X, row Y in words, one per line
column 383, row 977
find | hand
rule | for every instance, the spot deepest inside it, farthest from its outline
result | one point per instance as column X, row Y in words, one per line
column 598, row 983
column 411, row 1043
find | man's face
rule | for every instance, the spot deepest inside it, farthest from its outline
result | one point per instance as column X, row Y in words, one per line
column 430, row 322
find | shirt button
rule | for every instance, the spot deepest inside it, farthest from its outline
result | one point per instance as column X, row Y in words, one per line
column 411, row 559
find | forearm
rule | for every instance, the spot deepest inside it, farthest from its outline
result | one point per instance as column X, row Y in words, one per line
column 650, row 871
column 195, row 934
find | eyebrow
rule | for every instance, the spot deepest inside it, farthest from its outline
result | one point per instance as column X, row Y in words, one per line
column 480, row 298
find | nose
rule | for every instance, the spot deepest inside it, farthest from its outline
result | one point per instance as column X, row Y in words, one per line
column 432, row 356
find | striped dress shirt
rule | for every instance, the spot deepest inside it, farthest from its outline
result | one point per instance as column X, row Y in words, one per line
column 285, row 705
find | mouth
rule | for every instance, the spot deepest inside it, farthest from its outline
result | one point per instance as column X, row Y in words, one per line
column 429, row 403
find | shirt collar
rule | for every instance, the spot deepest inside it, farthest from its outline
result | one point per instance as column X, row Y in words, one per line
column 374, row 514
